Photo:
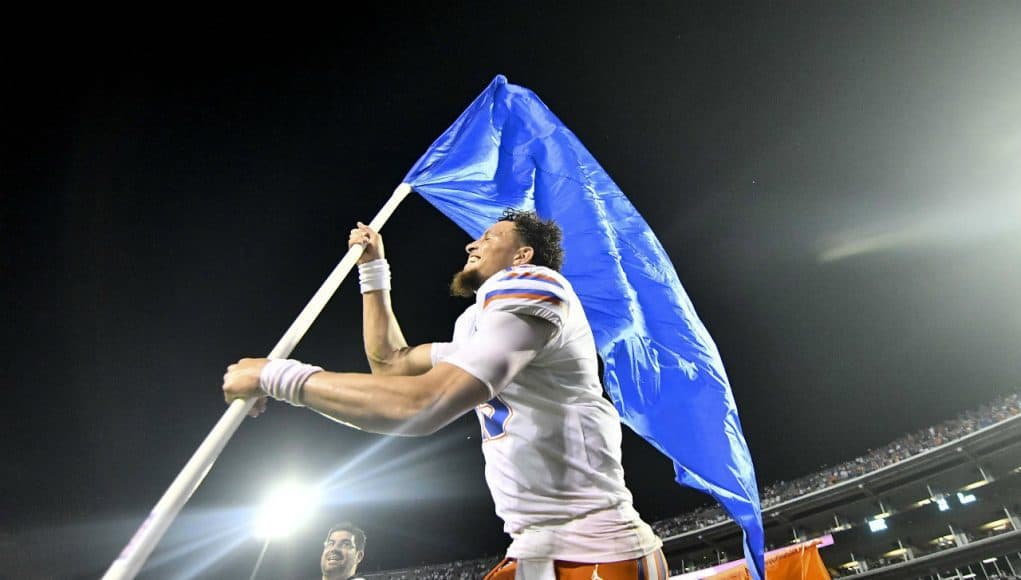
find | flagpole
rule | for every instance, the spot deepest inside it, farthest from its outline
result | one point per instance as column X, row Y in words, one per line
column 134, row 555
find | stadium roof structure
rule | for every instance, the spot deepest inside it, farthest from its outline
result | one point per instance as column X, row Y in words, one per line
column 905, row 495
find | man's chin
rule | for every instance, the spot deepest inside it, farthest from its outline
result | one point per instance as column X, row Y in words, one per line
column 466, row 283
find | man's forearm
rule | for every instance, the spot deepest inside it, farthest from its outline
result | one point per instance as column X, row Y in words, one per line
column 394, row 405
column 384, row 341
column 368, row 402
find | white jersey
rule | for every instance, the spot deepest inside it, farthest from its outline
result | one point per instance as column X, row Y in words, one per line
column 550, row 440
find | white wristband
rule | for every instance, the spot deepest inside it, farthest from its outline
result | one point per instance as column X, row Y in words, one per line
column 374, row 275
column 284, row 378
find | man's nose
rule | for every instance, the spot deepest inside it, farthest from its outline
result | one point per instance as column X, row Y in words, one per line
column 471, row 246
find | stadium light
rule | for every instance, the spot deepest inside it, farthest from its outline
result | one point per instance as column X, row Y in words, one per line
column 975, row 485
column 996, row 525
column 965, row 498
column 285, row 509
column 877, row 525
column 943, row 541
column 942, row 503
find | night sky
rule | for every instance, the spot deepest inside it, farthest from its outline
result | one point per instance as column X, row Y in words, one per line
column 837, row 185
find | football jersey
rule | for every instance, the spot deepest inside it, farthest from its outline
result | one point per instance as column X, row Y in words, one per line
column 551, row 441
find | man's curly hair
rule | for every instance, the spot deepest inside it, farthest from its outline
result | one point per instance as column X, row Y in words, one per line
column 544, row 236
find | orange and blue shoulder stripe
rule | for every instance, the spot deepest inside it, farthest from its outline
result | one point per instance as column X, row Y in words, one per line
column 522, row 293
column 513, row 274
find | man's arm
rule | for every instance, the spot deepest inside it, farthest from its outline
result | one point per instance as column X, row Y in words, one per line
column 386, row 349
column 392, row 405
column 396, row 405
column 404, row 405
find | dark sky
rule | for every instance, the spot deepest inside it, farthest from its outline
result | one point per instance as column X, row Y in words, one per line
column 837, row 185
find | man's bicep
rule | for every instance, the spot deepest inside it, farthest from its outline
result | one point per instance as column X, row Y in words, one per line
column 447, row 392
column 462, row 391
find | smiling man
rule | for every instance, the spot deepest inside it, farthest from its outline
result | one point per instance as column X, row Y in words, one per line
column 524, row 358
column 343, row 550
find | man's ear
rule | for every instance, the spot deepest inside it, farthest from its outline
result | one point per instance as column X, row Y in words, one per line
column 524, row 255
column 361, row 554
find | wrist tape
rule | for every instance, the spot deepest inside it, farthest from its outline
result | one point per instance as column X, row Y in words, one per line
column 284, row 378
column 374, row 275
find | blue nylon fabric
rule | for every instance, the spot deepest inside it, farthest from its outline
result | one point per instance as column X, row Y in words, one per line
column 662, row 369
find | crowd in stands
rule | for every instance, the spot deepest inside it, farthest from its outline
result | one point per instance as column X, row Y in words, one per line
column 899, row 450
column 908, row 446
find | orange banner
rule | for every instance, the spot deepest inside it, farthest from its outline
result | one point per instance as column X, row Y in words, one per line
column 801, row 562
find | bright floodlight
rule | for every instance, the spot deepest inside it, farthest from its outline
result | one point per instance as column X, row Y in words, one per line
column 285, row 509
column 877, row 524
column 943, row 504
column 965, row 498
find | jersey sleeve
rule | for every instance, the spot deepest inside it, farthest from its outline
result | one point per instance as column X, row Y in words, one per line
column 440, row 351
column 535, row 292
column 502, row 346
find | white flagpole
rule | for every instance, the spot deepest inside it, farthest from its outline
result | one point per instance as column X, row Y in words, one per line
column 134, row 555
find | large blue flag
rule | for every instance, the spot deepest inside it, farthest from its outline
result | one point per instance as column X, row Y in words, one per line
column 662, row 369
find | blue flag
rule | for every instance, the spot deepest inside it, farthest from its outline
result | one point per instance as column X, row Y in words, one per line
column 662, row 369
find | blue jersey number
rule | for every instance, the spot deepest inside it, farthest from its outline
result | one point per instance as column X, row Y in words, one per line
column 494, row 414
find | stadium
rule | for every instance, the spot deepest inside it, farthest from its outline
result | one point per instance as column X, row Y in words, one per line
column 940, row 503
column 813, row 203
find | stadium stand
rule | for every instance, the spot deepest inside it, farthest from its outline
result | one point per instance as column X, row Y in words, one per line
column 938, row 503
